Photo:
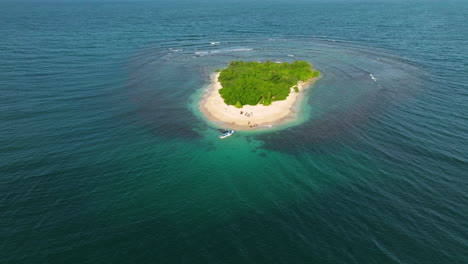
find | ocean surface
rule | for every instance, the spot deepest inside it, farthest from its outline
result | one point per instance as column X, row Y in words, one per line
column 105, row 157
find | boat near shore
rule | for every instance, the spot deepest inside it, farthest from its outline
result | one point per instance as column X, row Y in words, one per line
column 226, row 133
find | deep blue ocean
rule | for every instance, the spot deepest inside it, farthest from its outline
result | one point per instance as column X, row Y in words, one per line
column 105, row 157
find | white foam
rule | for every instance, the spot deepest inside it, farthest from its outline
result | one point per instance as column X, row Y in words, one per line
column 214, row 42
column 238, row 50
column 202, row 53
column 372, row 77
column 290, row 55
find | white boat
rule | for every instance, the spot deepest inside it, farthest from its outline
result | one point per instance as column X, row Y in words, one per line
column 226, row 134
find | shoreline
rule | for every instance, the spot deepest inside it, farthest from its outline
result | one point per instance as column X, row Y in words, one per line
column 249, row 117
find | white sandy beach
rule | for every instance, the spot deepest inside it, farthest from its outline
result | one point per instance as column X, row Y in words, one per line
column 248, row 117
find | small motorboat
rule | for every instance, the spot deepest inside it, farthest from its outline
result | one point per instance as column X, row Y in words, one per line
column 226, row 133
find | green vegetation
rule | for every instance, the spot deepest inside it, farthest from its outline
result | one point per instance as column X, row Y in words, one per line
column 251, row 83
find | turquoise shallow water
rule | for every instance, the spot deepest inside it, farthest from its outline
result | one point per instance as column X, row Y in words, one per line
column 106, row 159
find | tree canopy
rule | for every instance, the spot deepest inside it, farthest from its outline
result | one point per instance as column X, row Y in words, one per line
column 252, row 83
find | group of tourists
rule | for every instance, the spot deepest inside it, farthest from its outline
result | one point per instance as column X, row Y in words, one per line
column 246, row 114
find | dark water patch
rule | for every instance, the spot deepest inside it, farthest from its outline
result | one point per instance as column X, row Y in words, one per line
column 160, row 104
column 341, row 108
column 333, row 128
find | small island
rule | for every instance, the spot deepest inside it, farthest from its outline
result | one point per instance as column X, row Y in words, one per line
column 250, row 95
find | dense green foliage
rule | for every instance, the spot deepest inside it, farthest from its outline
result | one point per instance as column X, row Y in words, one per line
column 251, row 83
